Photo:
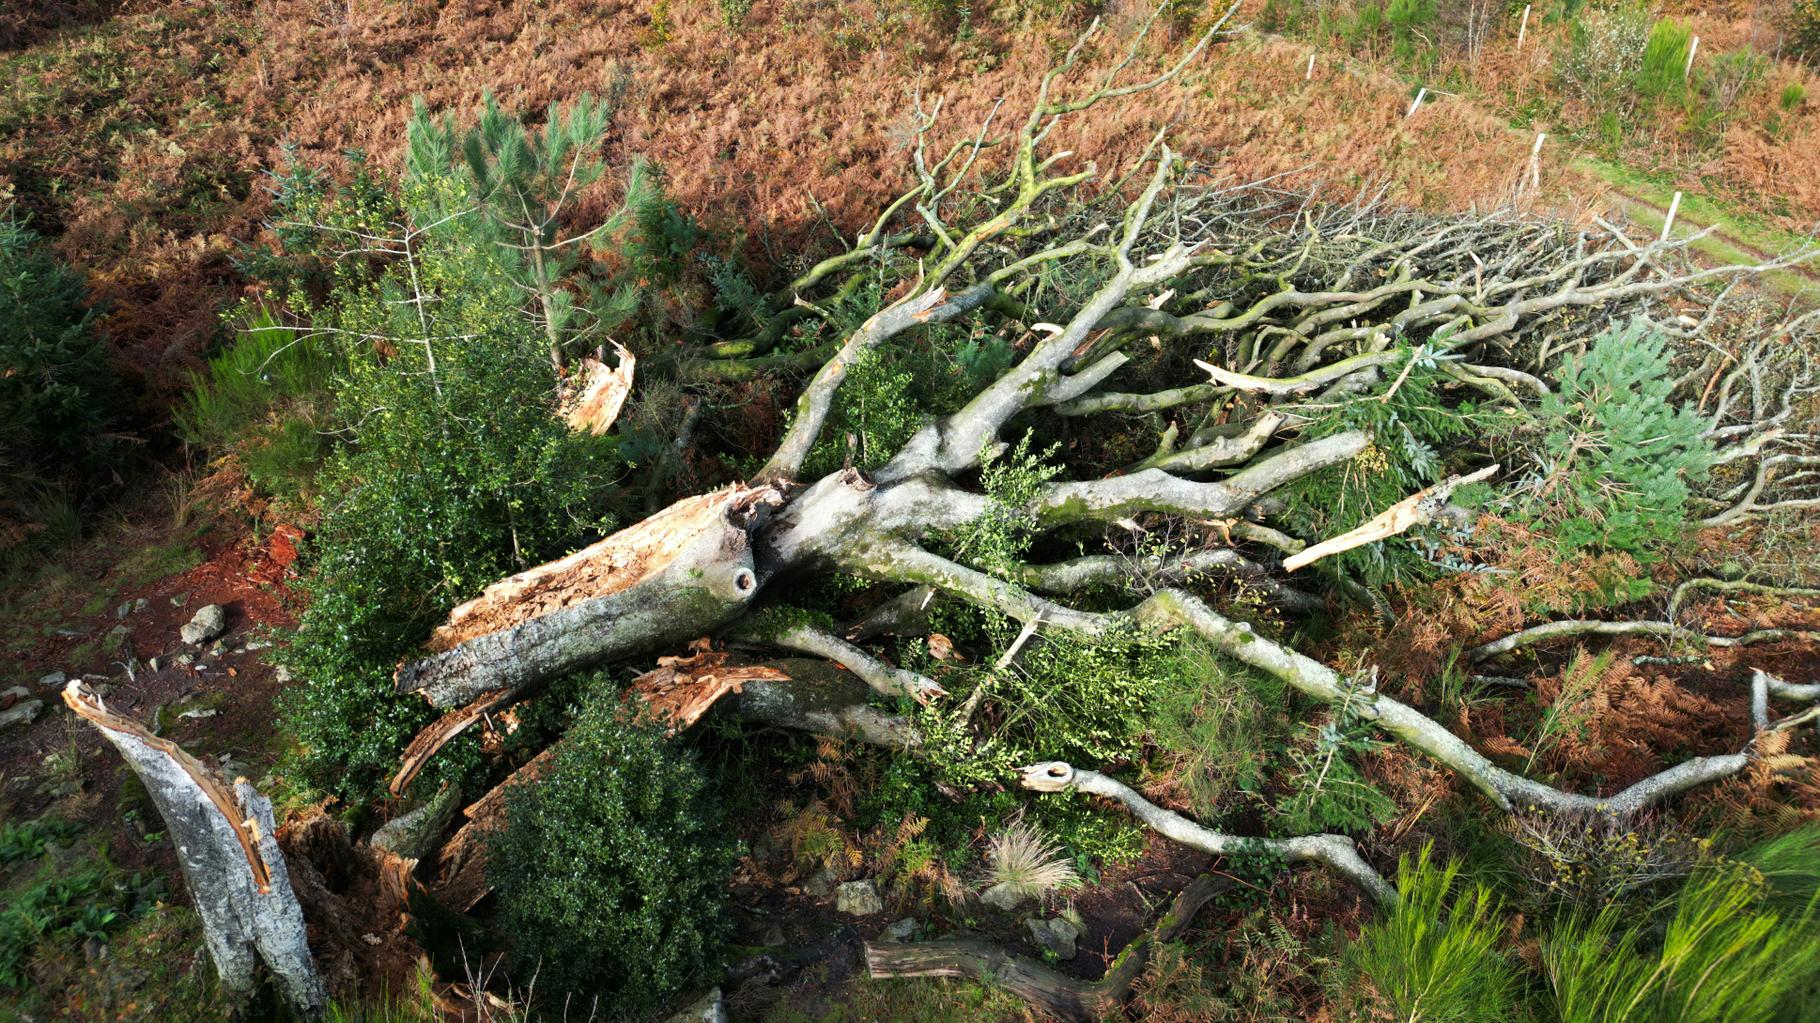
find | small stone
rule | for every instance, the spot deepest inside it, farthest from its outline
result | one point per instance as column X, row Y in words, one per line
column 123, row 610
column 901, row 930
column 141, row 604
column 1004, row 897
column 1057, row 935
column 24, row 709
column 199, row 712
column 858, row 898
column 153, row 663
column 179, row 601
column 54, row 680
column 257, row 645
column 209, row 621
column 186, row 659
column 773, row 937
column 821, row 883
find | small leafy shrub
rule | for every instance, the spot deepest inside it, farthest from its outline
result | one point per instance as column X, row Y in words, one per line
column 612, row 869
column 454, row 471
column 1575, row 860
column 1602, row 57
column 998, row 542
column 1617, row 453
column 1803, row 21
column 1328, row 792
column 1435, row 956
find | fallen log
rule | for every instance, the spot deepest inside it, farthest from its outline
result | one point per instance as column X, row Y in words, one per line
column 226, row 846
column 1079, row 1001
column 683, row 571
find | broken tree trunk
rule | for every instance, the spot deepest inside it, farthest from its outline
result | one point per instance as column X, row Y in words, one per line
column 1048, row 990
column 667, row 579
column 227, row 848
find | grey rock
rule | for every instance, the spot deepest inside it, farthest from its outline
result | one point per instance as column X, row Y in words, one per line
column 209, row 621
column 179, row 601
column 257, row 645
column 901, row 930
column 821, row 883
column 186, row 659
column 1003, row 897
column 54, row 680
column 773, row 937
column 709, row 1008
column 24, row 710
column 416, row 834
column 154, row 663
column 858, row 898
column 1057, row 935
column 199, row 712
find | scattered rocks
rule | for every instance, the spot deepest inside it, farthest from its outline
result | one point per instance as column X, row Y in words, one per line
column 901, row 930
column 858, row 898
column 209, row 621
column 417, row 834
column 54, row 680
column 1057, row 935
column 1004, row 897
column 21, row 707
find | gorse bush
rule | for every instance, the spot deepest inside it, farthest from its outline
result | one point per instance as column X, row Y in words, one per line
column 1435, row 955
column 453, row 470
column 1617, row 452
column 612, row 869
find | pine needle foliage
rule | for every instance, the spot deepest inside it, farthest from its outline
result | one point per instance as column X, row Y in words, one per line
column 1435, row 956
column 1618, row 452
column 522, row 179
column 1729, row 953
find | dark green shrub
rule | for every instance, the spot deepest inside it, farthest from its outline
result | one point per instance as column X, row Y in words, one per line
column 1617, row 453
column 453, row 471
column 612, row 868
column 58, row 398
column 1804, row 28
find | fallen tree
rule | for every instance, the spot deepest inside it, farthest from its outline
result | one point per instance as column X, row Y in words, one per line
column 1300, row 306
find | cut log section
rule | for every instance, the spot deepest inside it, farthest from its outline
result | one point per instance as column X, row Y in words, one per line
column 226, row 845
column 1055, row 993
column 683, row 571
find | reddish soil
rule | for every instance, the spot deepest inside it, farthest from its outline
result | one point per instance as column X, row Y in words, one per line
column 247, row 577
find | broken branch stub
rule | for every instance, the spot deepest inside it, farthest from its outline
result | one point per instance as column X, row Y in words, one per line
column 683, row 571
column 599, row 393
column 228, row 850
column 1415, row 510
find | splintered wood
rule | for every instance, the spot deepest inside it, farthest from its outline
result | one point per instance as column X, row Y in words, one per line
column 1417, row 509
column 610, row 566
column 599, row 393
column 438, row 734
column 230, row 858
column 681, row 689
